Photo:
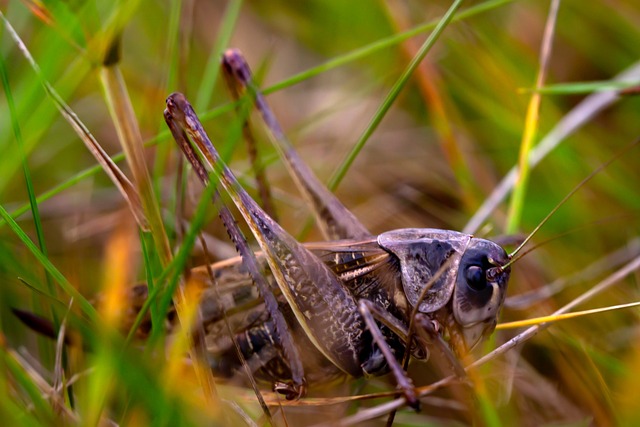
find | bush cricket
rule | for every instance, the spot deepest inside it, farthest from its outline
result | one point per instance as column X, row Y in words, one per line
column 354, row 302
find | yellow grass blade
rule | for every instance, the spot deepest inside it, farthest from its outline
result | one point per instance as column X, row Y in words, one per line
column 564, row 316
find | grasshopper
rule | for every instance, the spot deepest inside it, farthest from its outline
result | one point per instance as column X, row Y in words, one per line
column 357, row 304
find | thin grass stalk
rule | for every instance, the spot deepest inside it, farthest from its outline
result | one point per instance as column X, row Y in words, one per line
column 557, row 317
column 131, row 140
column 531, row 124
column 212, row 69
column 124, row 119
column 579, row 88
column 172, row 59
column 430, row 85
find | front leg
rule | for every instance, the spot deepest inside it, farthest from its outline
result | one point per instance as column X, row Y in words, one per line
column 430, row 345
column 367, row 310
column 428, row 333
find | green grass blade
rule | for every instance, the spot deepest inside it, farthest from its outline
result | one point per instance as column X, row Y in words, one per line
column 327, row 66
column 378, row 45
column 45, row 347
column 577, row 88
column 212, row 70
column 85, row 306
column 392, row 95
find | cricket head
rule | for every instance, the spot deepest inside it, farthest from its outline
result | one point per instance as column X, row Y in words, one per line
column 453, row 271
column 479, row 291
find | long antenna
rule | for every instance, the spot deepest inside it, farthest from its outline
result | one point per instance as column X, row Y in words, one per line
column 565, row 198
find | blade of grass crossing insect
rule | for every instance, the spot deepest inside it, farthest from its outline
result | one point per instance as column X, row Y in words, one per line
column 172, row 58
column 124, row 118
column 177, row 265
column 174, row 269
column 392, row 95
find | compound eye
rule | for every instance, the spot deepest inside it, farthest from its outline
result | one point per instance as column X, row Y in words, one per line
column 476, row 278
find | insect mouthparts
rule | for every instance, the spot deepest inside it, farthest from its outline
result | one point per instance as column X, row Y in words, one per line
column 494, row 272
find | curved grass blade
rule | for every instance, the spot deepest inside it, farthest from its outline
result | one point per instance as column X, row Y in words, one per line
column 117, row 177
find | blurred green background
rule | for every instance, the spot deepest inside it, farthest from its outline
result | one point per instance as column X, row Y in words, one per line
column 453, row 133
